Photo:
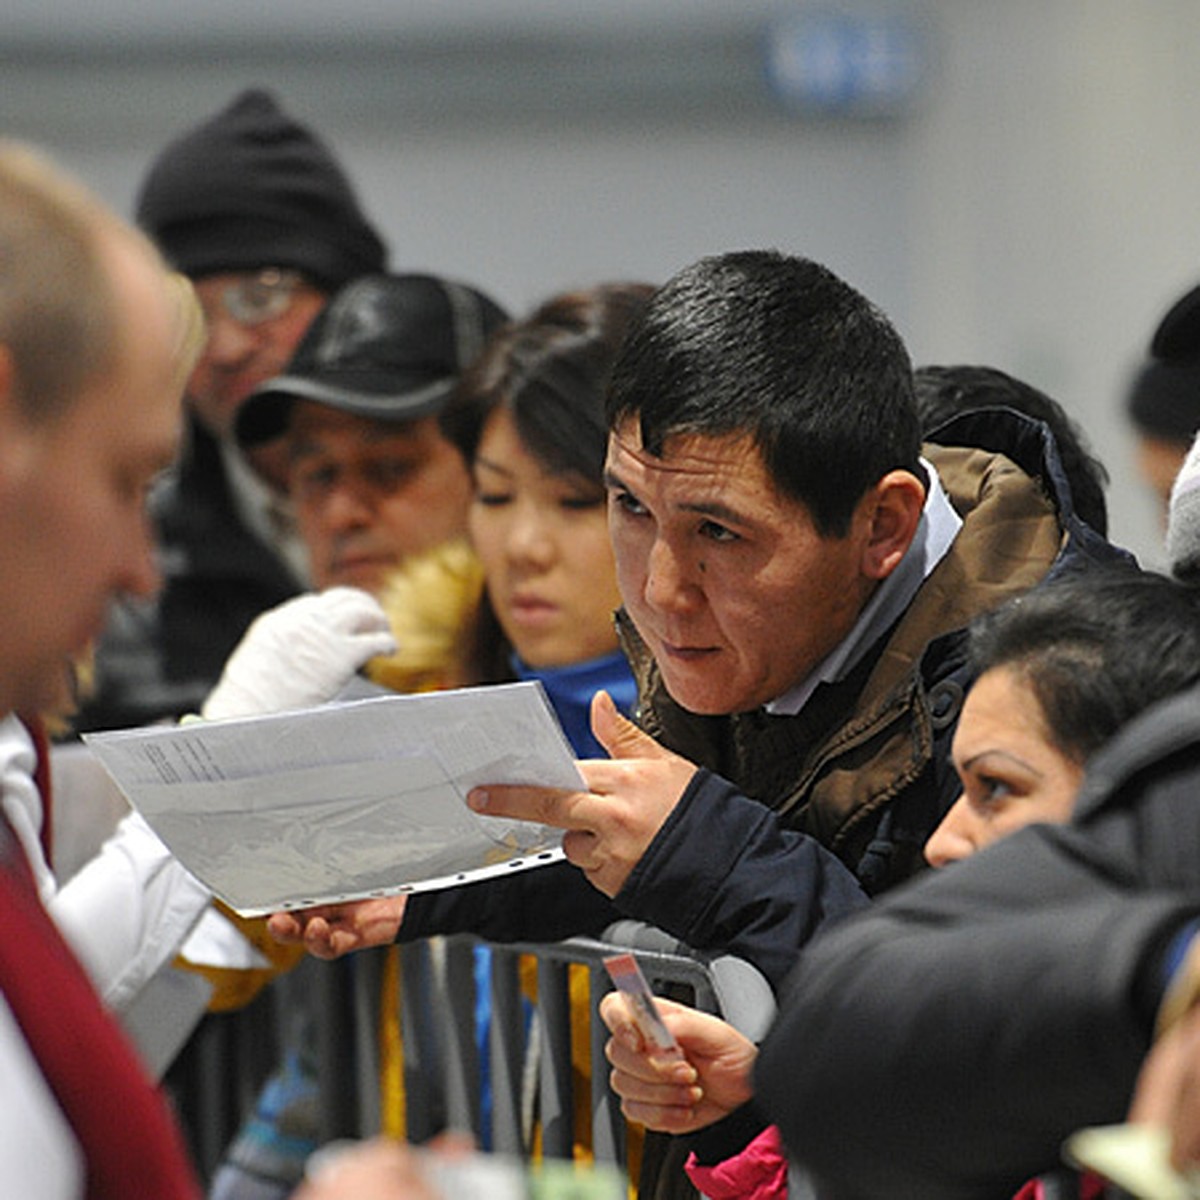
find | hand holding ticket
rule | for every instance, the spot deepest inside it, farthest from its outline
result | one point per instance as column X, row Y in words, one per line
column 628, row 979
column 678, row 1077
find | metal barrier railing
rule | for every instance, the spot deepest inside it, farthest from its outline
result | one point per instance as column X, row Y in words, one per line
column 528, row 1060
column 439, row 1033
column 217, row 1080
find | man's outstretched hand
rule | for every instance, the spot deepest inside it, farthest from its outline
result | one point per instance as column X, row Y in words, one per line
column 608, row 829
column 331, row 930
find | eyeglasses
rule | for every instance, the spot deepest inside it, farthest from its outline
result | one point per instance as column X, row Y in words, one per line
column 261, row 297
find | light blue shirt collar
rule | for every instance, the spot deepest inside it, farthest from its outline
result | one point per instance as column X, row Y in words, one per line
column 936, row 531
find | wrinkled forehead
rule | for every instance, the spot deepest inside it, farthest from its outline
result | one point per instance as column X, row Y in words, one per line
column 711, row 459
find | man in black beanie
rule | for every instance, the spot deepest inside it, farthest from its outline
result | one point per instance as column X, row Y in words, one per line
column 255, row 209
column 1163, row 403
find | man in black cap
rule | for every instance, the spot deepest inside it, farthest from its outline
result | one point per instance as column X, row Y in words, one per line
column 371, row 478
column 255, row 209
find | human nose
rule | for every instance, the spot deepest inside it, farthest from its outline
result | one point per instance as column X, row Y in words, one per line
column 528, row 541
column 347, row 506
column 229, row 341
column 955, row 838
column 668, row 581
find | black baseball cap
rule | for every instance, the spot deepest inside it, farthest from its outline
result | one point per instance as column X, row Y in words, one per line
column 389, row 347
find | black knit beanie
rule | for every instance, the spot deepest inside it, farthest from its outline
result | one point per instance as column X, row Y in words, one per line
column 1164, row 399
column 250, row 188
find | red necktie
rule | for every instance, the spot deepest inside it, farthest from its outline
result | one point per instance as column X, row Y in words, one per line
column 130, row 1143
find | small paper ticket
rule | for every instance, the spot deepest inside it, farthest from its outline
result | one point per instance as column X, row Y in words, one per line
column 628, row 979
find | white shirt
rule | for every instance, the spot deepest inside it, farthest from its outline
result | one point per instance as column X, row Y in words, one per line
column 40, row 1158
column 127, row 910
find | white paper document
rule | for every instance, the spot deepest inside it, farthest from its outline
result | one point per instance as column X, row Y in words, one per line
column 347, row 800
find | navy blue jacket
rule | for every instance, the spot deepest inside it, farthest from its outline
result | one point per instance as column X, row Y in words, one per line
column 760, row 876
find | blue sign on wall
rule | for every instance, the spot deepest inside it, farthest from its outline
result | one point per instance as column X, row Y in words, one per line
column 845, row 63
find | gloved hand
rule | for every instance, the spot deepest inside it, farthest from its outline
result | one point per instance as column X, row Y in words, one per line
column 300, row 653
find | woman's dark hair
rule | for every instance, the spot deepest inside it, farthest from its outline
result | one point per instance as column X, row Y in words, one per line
column 550, row 371
column 1095, row 648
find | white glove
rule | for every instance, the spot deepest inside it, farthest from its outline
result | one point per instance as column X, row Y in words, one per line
column 301, row 653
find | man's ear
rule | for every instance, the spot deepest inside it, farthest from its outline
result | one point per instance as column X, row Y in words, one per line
column 894, row 507
column 15, row 442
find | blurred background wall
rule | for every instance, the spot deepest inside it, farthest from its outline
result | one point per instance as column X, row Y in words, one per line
column 1015, row 183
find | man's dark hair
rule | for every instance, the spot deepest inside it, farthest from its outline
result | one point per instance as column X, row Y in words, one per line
column 1095, row 649
column 783, row 351
column 945, row 391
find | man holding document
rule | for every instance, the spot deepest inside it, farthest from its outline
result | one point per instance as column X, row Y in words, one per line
column 796, row 631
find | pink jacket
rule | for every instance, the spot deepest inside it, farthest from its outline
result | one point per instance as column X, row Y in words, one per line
column 759, row 1172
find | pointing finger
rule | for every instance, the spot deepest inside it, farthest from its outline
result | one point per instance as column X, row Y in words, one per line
column 548, row 806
